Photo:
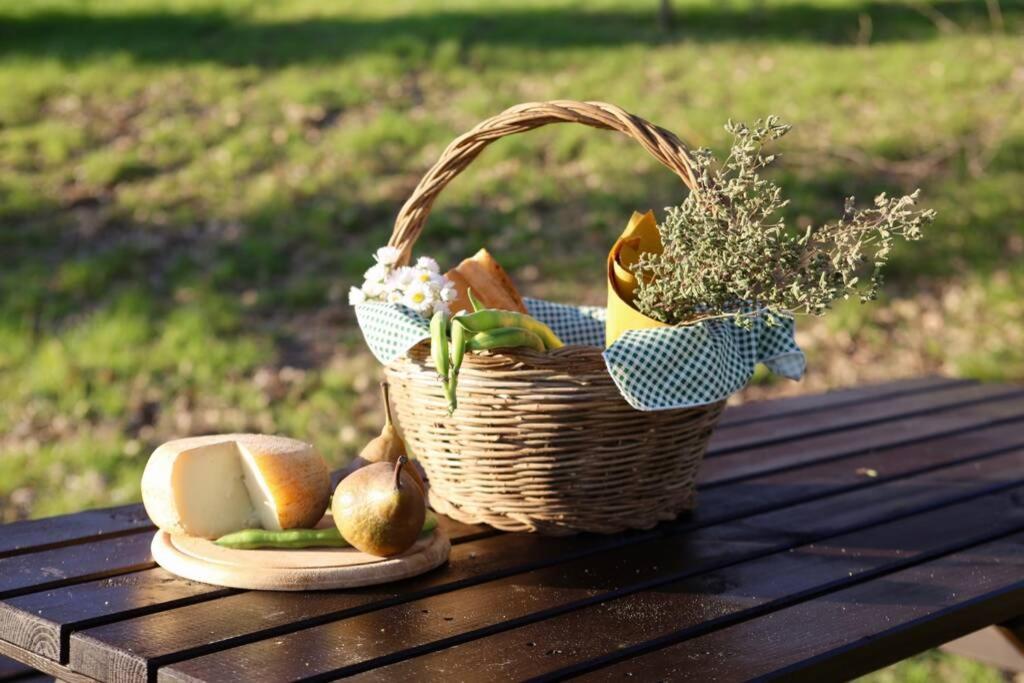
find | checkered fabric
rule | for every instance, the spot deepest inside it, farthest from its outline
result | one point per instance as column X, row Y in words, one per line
column 656, row 369
column 680, row 367
column 391, row 329
column 582, row 325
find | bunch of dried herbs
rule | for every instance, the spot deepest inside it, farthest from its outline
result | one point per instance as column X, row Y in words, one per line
column 728, row 251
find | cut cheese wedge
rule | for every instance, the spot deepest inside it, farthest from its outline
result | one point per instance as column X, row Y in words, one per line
column 208, row 486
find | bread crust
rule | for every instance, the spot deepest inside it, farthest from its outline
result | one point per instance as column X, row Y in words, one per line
column 489, row 281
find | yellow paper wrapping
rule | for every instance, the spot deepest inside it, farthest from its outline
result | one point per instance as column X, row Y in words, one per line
column 641, row 235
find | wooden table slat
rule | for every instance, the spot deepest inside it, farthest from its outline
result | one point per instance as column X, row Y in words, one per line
column 43, row 620
column 43, row 607
column 832, row 476
column 51, row 532
column 870, row 625
column 684, row 608
column 755, row 461
column 836, row 398
column 896, row 497
column 138, row 645
column 782, row 474
column 50, row 568
column 787, row 428
column 46, row 666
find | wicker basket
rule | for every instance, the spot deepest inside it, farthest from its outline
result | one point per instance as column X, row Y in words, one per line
column 544, row 441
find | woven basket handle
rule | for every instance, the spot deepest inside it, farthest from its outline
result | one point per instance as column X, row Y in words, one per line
column 660, row 143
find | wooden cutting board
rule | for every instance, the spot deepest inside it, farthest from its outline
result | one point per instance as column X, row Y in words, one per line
column 198, row 559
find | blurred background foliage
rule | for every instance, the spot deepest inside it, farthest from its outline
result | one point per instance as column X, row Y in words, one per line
column 188, row 189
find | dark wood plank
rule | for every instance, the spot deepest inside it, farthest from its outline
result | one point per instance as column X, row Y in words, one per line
column 812, row 403
column 832, row 514
column 786, row 428
column 243, row 617
column 817, row 480
column 798, row 453
column 42, row 621
column 632, row 602
column 58, row 566
column 42, row 664
column 52, row 532
column 853, row 631
column 841, row 479
column 134, row 647
column 747, row 503
column 579, row 638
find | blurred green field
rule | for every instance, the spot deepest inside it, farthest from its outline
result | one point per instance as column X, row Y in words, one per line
column 188, row 189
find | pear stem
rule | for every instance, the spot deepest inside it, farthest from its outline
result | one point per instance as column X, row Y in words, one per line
column 387, row 404
column 398, row 471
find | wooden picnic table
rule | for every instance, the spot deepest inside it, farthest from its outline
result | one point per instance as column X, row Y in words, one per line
column 836, row 534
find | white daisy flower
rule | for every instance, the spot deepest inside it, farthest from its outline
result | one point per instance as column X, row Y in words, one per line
column 419, row 298
column 401, row 278
column 377, row 274
column 427, row 263
column 356, row 296
column 421, row 287
column 387, row 256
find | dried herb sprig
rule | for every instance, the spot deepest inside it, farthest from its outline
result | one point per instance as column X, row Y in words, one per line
column 728, row 251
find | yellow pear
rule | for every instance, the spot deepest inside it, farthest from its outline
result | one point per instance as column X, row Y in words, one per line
column 379, row 508
column 388, row 446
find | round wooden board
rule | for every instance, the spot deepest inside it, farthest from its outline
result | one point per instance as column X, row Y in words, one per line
column 293, row 570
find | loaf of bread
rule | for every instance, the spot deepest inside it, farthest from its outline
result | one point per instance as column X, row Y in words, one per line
column 490, row 283
column 208, row 486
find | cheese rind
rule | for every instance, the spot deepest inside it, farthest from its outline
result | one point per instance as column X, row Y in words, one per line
column 289, row 491
column 209, row 486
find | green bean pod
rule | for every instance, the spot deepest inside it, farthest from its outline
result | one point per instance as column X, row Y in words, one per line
column 439, row 344
column 477, row 305
column 491, row 319
column 505, row 338
column 290, row 539
column 458, row 352
column 248, row 539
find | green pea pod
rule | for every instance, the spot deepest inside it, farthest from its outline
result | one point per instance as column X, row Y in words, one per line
column 439, row 344
column 477, row 305
column 248, row 539
column 328, row 537
column 457, row 354
column 505, row 338
column 439, row 352
column 491, row 319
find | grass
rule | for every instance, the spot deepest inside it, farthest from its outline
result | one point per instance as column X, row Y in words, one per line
column 187, row 189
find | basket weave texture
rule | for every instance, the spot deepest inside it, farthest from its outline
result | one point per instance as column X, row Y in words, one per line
column 544, row 441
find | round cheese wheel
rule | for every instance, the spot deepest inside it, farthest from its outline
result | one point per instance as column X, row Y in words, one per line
column 208, row 486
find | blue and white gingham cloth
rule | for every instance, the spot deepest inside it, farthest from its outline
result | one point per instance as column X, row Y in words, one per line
column 654, row 369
